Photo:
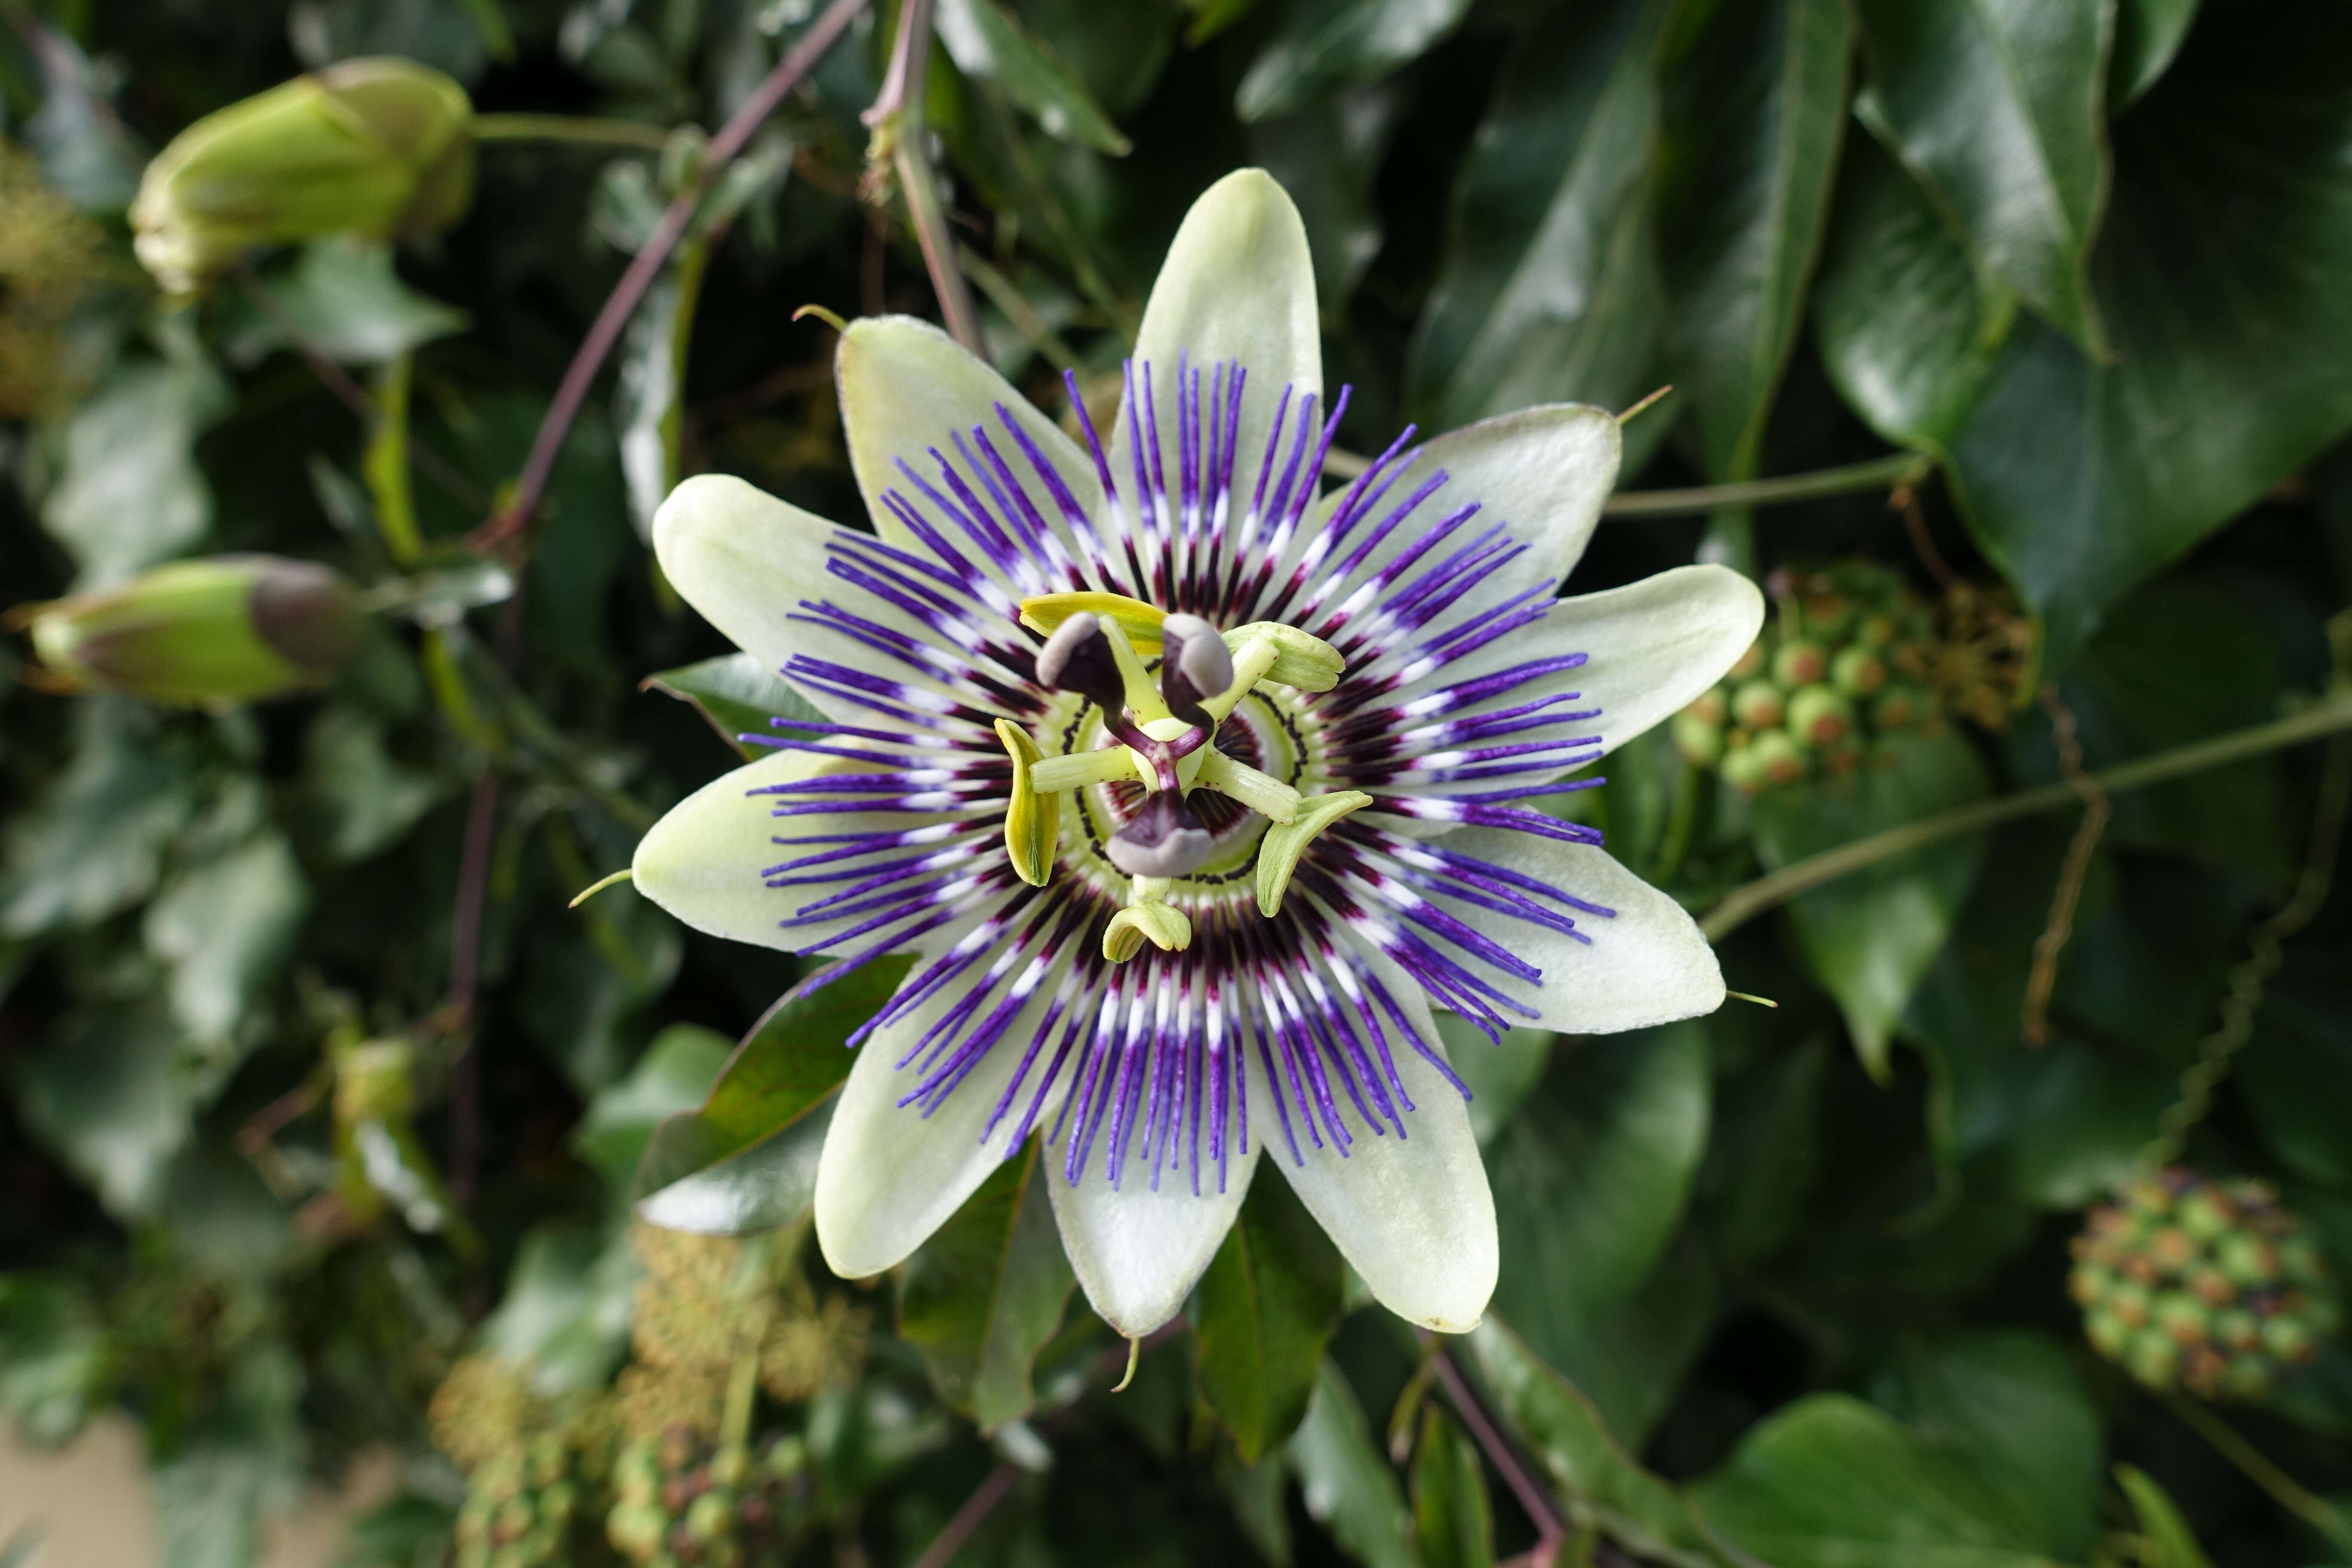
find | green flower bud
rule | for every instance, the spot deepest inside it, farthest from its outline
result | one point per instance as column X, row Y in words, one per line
column 2130, row 1302
column 1819, row 717
column 1876, row 632
column 208, row 633
column 377, row 1082
column 1700, row 742
column 1857, row 671
column 1759, row 705
column 2172, row 1249
column 635, row 1530
column 2089, row 1284
column 2211, row 1286
column 2206, row 1214
column 1783, row 761
column 378, row 148
column 1799, row 663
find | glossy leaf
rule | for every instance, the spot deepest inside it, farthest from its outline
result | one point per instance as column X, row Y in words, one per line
column 93, row 841
column 1501, row 1076
column 1323, row 42
column 222, row 927
column 1754, row 106
column 1266, row 1308
column 1870, row 937
column 1630, row 1359
column 1997, row 108
column 2233, row 357
column 343, row 299
column 1548, row 289
column 131, row 493
column 785, row 1070
column 1450, row 1510
column 1326, row 154
column 672, row 1078
column 987, row 41
column 2166, row 1539
column 2148, row 35
column 983, row 1297
column 738, row 695
column 52, row 1355
column 1345, row 1479
column 114, row 1097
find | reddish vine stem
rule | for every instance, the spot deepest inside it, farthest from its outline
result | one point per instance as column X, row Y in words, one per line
column 969, row 1517
column 1550, row 1528
column 2043, row 978
column 572, row 393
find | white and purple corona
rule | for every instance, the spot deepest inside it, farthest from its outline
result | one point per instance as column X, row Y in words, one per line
column 1190, row 786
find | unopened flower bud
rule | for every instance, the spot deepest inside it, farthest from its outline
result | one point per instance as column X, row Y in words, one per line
column 379, row 148
column 208, row 633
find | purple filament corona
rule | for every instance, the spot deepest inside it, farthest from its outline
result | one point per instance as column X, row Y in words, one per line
column 1150, row 1068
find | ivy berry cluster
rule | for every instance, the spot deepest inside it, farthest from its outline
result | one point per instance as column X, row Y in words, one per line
column 2202, row 1284
column 521, row 1503
column 1843, row 664
column 683, row 1502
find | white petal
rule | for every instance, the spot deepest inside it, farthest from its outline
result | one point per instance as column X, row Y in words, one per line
column 889, row 1176
column 703, row 860
column 1412, row 1216
column 907, row 387
column 1656, row 643
column 1648, row 964
column 1138, row 1252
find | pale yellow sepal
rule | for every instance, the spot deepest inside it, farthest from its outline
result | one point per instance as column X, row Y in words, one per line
column 1032, row 823
column 1044, row 613
column 1162, row 925
column 1301, row 660
column 1277, row 855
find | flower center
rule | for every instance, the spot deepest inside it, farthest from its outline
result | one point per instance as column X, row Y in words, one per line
column 1154, row 752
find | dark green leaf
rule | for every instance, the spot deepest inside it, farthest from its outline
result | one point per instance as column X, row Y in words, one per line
column 1450, row 1507
column 1321, row 42
column 1326, row 155
column 1346, row 1481
column 2148, row 34
column 1870, row 937
column 673, row 1077
column 112, row 1094
column 983, row 1297
column 2166, row 1540
column 787, row 1067
column 2296, row 1074
column 1548, row 289
column 1998, row 111
column 366, row 800
column 94, row 843
column 1500, row 1076
column 738, row 695
column 1268, row 1305
column 989, row 42
column 131, row 493
column 52, row 1355
column 1765, row 1151
column 1829, row 1482
column 1753, row 108
column 1118, row 51
column 222, row 927
column 2233, row 356
column 1630, row 1360
column 343, row 299
column 1909, row 329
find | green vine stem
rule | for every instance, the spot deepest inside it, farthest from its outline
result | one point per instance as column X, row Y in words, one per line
column 1745, row 903
column 1891, row 472
column 579, row 129
column 900, row 134
column 2257, row 1468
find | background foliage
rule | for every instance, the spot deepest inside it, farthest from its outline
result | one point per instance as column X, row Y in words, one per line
column 289, row 1133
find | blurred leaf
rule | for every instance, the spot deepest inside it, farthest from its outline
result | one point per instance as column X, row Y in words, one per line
column 1764, row 1154
column 222, row 927
column 1997, row 110
column 989, row 42
column 1870, row 936
column 1632, row 1360
column 1450, row 1510
column 1754, row 107
column 1260, row 1496
column 1118, row 51
column 53, row 1356
column 131, row 494
column 1549, row 291
column 2078, row 1116
column 365, row 801
column 93, row 844
column 1500, row 1076
column 2233, row 356
column 1326, row 154
column 738, row 695
column 985, row 1294
column 787, row 1067
column 342, row 299
column 1829, row 1482
column 1565, row 1434
column 1268, row 1307
column 1909, row 330
column 2148, row 34
column 443, row 34
column 674, row 1076
column 85, row 152
column 2166, row 1540
column 112, row 1093
column 649, row 406
column 1322, row 42
column 2297, row 1073
column 241, row 1465
column 2008, row 1405
column 566, row 1314
column 1346, row 1481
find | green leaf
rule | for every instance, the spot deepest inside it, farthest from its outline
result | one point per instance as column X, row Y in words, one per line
column 1630, row 1360
column 343, row 299
column 988, row 42
column 1548, row 289
column 2296, row 1072
column 1997, row 110
column 566, row 1314
column 649, row 408
column 1870, row 936
column 112, row 1094
column 985, row 1294
column 2166, row 1540
column 1322, row 42
column 222, row 927
column 747, row 1149
column 366, row 800
column 1346, row 1481
column 2008, row 1405
column 94, row 843
column 1326, row 154
column 674, row 1076
column 1118, row 51
column 2148, row 34
column 738, row 695
column 1450, row 1510
column 1500, row 1076
column 1601, row 1482
column 131, row 493
column 1753, row 108
column 1765, row 1151
column 1268, row 1305
column 240, row 1465
column 1909, row 330
column 2232, row 356
column 1829, row 1482
column 52, row 1355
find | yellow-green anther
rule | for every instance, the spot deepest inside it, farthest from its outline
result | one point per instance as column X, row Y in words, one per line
column 1305, row 662
column 1261, row 792
column 1032, row 823
column 1051, row 775
column 1161, row 925
column 1252, row 658
column 1141, row 622
column 1277, row 854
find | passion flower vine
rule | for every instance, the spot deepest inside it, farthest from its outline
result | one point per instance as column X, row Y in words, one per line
column 1192, row 787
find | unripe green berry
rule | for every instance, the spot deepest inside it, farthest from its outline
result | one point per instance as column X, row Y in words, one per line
column 1751, row 662
column 1857, row 671
column 1700, row 742
column 1744, row 770
column 709, row 1516
column 1819, row 716
column 1714, row 705
column 1799, row 663
column 1759, row 705
column 2153, row 1357
column 2238, row 1329
column 2183, row 1317
column 2250, row 1260
column 2108, row 1333
column 1781, row 760
column 2206, row 1214
column 1875, row 631
column 2288, row 1340
column 1898, row 707
column 2130, row 1301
